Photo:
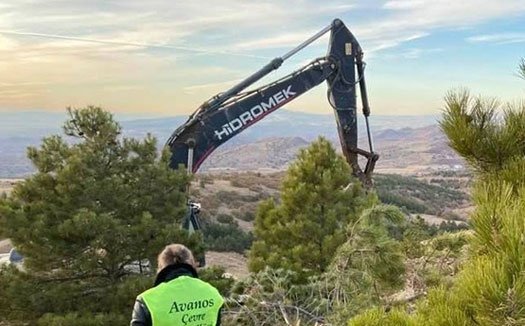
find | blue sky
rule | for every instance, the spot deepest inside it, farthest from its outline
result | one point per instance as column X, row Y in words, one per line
column 166, row 57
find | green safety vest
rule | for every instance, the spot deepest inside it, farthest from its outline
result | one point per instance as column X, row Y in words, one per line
column 184, row 301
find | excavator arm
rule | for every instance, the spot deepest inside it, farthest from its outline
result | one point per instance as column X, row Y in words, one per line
column 229, row 113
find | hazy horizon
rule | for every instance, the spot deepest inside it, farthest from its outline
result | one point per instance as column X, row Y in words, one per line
column 153, row 115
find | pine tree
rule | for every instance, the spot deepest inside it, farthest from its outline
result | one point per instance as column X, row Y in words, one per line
column 369, row 265
column 486, row 141
column 98, row 205
column 304, row 230
column 490, row 290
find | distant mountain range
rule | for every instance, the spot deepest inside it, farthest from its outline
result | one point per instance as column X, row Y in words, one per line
column 271, row 143
column 409, row 151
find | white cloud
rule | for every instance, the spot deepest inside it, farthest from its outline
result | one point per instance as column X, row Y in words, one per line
column 19, row 84
column 403, row 4
column 210, row 86
column 123, row 88
column 416, row 53
column 7, row 44
column 419, row 18
column 447, row 13
column 129, row 26
column 379, row 43
column 126, row 44
column 278, row 41
column 403, row 21
column 180, row 25
column 499, row 38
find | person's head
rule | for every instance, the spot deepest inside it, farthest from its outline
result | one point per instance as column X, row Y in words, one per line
column 175, row 254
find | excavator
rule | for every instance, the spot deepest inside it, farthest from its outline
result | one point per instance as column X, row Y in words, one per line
column 227, row 114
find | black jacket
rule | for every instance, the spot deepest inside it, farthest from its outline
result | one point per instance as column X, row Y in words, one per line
column 141, row 315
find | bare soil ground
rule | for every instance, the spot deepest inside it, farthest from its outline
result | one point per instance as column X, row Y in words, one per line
column 233, row 263
column 7, row 184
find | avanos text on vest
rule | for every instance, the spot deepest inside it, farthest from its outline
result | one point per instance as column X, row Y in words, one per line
column 190, row 316
column 255, row 112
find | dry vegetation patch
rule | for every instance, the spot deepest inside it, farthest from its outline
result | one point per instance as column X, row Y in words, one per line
column 233, row 263
column 5, row 246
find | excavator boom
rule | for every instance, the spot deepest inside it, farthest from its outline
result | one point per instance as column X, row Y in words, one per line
column 229, row 113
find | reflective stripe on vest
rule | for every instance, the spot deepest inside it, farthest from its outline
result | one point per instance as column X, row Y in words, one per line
column 184, row 301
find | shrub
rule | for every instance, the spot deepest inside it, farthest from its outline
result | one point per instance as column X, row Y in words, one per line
column 226, row 237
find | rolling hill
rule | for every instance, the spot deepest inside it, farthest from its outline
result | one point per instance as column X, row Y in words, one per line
column 407, row 144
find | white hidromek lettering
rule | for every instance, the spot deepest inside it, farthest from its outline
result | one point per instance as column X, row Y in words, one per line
column 254, row 112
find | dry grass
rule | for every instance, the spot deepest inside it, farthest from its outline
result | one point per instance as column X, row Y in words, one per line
column 5, row 246
column 7, row 184
column 435, row 220
column 234, row 193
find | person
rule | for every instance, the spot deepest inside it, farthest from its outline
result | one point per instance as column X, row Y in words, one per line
column 178, row 297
